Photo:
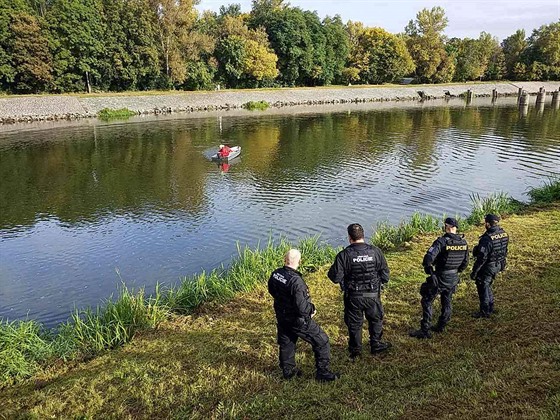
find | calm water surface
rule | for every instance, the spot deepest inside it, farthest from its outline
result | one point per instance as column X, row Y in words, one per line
column 85, row 206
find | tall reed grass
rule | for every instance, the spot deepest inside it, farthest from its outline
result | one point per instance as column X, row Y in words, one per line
column 498, row 203
column 24, row 345
column 547, row 193
column 388, row 237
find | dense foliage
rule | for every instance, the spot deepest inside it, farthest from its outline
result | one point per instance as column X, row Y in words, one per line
column 118, row 45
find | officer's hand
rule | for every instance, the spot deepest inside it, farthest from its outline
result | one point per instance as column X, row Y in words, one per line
column 427, row 269
column 313, row 313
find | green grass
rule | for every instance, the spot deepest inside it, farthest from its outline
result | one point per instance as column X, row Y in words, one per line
column 24, row 345
column 116, row 322
column 114, row 114
column 388, row 237
column 256, row 105
column 499, row 203
column 547, row 193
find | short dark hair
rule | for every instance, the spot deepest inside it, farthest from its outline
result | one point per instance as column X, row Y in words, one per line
column 492, row 219
column 355, row 231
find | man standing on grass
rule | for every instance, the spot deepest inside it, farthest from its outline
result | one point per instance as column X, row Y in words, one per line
column 361, row 270
column 445, row 259
column 490, row 253
column 294, row 313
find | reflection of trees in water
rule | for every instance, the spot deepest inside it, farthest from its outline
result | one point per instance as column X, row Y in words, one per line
column 133, row 166
column 105, row 170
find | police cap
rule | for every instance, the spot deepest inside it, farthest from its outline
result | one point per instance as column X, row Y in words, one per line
column 491, row 218
column 451, row 222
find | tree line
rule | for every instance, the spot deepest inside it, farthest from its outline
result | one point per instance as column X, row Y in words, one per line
column 121, row 45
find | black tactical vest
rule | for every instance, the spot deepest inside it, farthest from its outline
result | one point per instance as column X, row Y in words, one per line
column 452, row 254
column 500, row 241
column 363, row 269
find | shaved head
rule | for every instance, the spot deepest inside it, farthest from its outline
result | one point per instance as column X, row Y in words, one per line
column 292, row 258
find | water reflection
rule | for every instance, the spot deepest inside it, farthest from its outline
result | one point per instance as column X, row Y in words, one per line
column 142, row 197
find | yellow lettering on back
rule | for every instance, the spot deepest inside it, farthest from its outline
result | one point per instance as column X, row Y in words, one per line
column 499, row 236
column 456, row 247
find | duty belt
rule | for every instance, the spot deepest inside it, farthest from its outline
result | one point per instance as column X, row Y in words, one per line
column 447, row 271
column 363, row 294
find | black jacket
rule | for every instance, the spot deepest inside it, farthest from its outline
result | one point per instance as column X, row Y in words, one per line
column 291, row 295
column 448, row 252
column 491, row 252
column 360, row 267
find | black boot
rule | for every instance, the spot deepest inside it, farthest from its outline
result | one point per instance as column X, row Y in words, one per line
column 380, row 346
column 480, row 314
column 289, row 374
column 355, row 354
column 420, row 334
column 327, row 376
column 438, row 328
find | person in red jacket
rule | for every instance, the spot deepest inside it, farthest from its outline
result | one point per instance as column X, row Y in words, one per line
column 224, row 151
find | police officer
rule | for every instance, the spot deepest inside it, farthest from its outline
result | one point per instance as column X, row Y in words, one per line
column 361, row 269
column 294, row 311
column 443, row 262
column 490, row 254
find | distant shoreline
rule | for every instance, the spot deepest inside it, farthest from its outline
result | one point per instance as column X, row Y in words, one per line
column 14, row 109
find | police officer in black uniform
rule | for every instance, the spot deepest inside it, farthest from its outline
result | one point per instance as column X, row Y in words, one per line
column 361, row 269
column 443, row 262
column 490, row 254
column 294, row 311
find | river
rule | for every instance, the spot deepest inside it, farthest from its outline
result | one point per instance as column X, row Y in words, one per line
column 88, row 205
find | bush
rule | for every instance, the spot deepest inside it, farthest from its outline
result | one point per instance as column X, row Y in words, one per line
column 256, row 105
column 113, row 114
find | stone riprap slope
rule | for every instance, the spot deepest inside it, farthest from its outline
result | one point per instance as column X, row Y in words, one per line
column 53, row 107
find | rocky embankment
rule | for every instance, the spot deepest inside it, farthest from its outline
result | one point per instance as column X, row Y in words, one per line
column 69, row 107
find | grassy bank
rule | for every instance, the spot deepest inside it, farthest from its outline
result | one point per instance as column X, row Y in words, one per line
column 220, row 359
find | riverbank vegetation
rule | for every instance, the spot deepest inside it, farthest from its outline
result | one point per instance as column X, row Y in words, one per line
column 221, row 360
column 115, row 114
column 256, row 105
column 64, row 46
column 389, row 237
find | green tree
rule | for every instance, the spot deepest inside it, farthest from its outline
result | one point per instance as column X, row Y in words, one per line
column 30, row 55
column 178, row 43
column 514, row 47
column 337, row 49
column 131, row 53
column 477, row 58
column 244, row 56
column 296, row 38
column 425, row 45
column 8, row 9
column 77, row 32
column 379, row 56
column 543, row 53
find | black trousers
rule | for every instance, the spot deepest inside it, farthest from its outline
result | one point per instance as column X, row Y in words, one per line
column 355, row 307
column 309, row 331
column 485, row 294
column 429, row 293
